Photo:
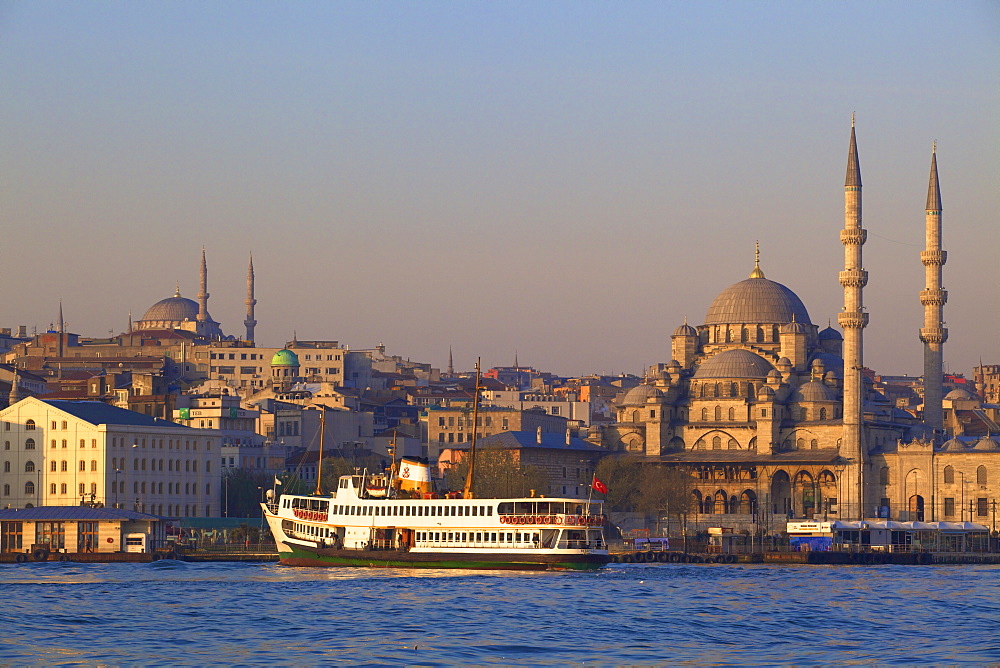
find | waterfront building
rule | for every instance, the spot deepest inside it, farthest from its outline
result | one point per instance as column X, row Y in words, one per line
column 46, row 532
column 61, row 452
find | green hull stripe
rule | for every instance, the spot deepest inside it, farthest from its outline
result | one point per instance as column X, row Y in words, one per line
column 303, row 558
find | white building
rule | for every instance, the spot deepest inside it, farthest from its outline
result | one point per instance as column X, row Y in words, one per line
column 57, row 453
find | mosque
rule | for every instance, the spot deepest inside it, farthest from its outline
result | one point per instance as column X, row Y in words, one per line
column 775, row 417
column 179, row 313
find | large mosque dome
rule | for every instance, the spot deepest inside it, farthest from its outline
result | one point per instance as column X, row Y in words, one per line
column 174, row 308
column 757, row 301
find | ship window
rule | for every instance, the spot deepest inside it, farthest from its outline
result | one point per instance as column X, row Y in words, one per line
column 475, row 510
column 493, row 537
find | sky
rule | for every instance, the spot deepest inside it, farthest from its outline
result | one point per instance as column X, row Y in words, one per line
column 561, row 181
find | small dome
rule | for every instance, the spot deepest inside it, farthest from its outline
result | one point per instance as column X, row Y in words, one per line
column 830, row 334
column 285, row 357
column 986, row 443
column 685, row 330
column 639, row 394
column 954, row 445
column 674, row 364
column 757, row 301
column 794, row 328
column 774, row 375
column 960, row 394
column 765, row 391
column 734, row 363
column 174, row 308
column 814, row 390
column 785, row 363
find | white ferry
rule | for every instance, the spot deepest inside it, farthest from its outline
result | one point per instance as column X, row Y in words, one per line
column 362, row 525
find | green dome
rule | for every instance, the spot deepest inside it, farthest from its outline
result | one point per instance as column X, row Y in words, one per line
column 285, row 357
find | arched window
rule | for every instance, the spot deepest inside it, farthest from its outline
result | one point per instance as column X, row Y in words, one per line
column 83, row 464
column 52, row 466
column 718, row 413
column 6, row 467
column 822, row 414
column 635, row 416
column 883, row 475
column 93, row 488
column 716, row 443
column 6, row 490
column 699, row 444
column 29, row 488
column 732, row 414
column 52, row 488
column 29, row 466
column 949, row 475
column 30, row 426
column 800, row 444
column 29, row 444
column 734, row 389
column 65, row 465
column 64, row 489
column 93, row 464
column 718, row 390
column 704, row 415
column 65, row 443
column 981, row 475
column 733, row 445
column 83, row 488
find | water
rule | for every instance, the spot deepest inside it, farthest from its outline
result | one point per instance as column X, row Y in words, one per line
column 202, row 614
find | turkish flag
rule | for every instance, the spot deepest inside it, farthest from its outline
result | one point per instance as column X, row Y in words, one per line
column 599, row 486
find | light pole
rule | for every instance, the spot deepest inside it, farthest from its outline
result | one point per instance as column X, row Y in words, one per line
column 117, row 471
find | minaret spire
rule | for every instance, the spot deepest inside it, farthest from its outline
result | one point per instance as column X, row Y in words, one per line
column 451, row 363
column 853, row 320
column 203, row 293
column 933, row 297
column 250, row 322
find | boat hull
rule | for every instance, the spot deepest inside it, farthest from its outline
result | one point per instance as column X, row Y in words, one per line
column 296, row 555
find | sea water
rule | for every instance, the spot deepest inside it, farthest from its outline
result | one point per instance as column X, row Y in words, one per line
column 174, row 613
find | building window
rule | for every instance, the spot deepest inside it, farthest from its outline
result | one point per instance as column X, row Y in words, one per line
column 732, row 414
column 83, row 465
column 981, row 475
column 29, row 425
column 883, row 475
column 29, row 488
column 65, row 426
column 704, row 415
column 64, row 489
column 29, row 466
column 716, row 443
column 52, row 489
column 54, row 423
column 718, row 413
column 30, row 444
column 949, row 477
column 949, row 507
column 93, row 464
column 6, row 467
column 982, row 506
column 65, row 465
column 52, row 466
column 822, row 414
column 65, row 443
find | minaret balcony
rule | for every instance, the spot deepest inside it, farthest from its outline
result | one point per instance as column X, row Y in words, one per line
column 933, row 335
column 932, row 257
column 853, row 237
column 854, row 278
column 934, row 297
column 852, row 320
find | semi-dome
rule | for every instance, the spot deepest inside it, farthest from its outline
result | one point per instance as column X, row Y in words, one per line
column 174, row 308
column 734, row 363
column 814, row 390
column 639, row 394
column 960, row 394
column 285, row 357
column 757, row 301
column 794, row 327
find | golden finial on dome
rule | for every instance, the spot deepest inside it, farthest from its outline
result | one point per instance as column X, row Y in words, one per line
column 757, row 273
column 177, row 289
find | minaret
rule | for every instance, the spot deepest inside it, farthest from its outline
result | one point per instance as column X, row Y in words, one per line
column 203, row 294
column 451, row 363
column 853, row 321
column 933, row 297
column 61, row 330
column 250, row 322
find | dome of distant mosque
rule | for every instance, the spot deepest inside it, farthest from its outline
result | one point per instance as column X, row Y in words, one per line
column 174, row 308
column 757, row 301
column 639, row 394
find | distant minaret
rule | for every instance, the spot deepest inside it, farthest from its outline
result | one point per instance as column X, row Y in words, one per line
column 203, row 293
column 451, row 363
column 16, row 391
column 250, row 322
column 853, row 321
column 61, row 329
column 933, row 297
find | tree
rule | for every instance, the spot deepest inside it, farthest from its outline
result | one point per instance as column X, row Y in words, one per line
column 242, row 492
column 499, row 474
column 622, row 475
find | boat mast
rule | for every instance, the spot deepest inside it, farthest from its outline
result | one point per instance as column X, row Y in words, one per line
column 319, row 463
column 469, row 477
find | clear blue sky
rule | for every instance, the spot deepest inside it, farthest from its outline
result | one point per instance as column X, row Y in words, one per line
column 568, row 180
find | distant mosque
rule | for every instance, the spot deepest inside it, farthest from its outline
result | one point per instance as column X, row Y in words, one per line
column 179, row 313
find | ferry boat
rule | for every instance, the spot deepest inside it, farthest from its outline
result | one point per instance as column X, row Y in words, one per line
column 395, row 519
column 353, row 527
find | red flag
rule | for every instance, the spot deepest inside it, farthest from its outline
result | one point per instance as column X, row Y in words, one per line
column 599, row 486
